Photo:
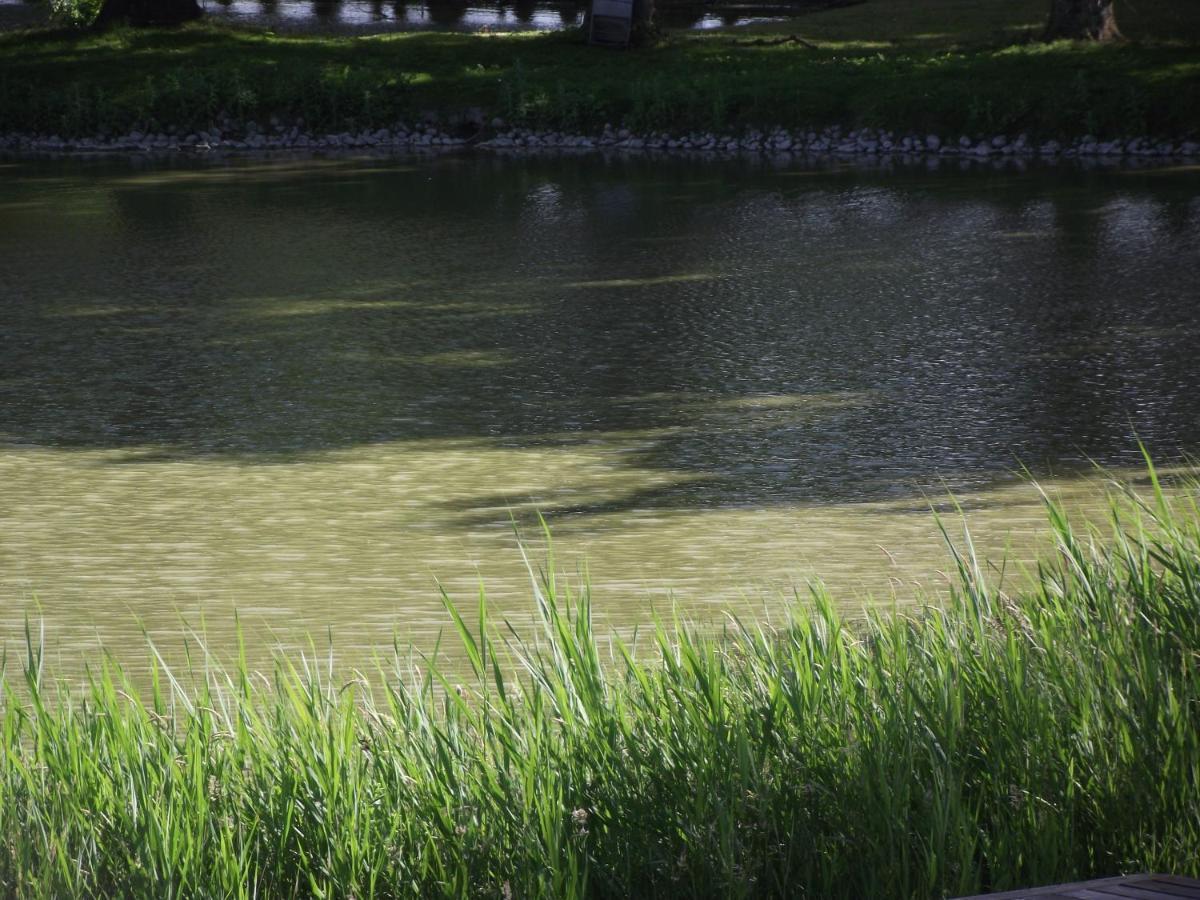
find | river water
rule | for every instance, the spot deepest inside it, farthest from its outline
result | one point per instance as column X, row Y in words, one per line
column 310, row 389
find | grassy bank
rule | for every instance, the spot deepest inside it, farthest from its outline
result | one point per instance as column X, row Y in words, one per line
column 1001, row 740
column 883, row 64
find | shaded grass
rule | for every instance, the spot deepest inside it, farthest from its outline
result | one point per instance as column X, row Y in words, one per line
column 997, row 740
column 57, row 83
column 964, row 24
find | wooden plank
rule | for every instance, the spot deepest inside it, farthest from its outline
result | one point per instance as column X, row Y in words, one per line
column 1175, row 887
column 1136, row 891
column 1119, row 891
column 1022, row 893
column 1135, row 887
column 1176, row 880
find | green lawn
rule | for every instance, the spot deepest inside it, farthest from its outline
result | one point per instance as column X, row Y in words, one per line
column 948, row 66
column 941, row 24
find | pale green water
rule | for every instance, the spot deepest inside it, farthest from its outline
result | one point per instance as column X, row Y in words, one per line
column 306, row 389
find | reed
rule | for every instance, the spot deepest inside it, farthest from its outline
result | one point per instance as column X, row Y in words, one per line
column 992, row 740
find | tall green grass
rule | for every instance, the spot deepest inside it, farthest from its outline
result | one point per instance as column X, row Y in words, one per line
column 991, row 741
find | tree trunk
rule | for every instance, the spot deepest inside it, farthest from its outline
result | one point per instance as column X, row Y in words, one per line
column 1082, row 20
column 147, row 12
column 644, row 30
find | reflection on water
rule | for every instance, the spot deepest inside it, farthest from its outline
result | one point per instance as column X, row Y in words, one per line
column 307, row 389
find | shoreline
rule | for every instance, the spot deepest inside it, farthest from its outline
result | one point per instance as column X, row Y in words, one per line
column 825, row 143
column 205, row 88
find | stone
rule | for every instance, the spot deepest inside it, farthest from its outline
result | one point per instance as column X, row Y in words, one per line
column 933, row 142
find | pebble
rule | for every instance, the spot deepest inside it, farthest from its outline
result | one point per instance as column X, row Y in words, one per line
column 779, row 143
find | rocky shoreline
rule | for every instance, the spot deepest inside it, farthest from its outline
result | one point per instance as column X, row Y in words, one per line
column 497, row 135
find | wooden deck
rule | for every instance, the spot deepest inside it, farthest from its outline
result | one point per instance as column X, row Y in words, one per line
column 1128, row 887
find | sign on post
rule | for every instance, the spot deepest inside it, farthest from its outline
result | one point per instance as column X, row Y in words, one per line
column 612, row 21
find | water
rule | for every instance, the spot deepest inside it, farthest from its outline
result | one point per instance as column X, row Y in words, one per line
column 378, row 16
column 306, row 389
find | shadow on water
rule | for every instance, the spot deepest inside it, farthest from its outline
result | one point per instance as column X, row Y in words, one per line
column 764, row 339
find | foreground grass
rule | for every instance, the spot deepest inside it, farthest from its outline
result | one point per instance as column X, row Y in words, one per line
column 883, row 64
column 996, row 741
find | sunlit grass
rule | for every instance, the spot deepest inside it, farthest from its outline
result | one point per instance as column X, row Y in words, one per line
column 997, row 740
column 942, row 24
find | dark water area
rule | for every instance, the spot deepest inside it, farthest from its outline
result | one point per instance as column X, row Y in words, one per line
column 305, row 387
column 382, row 16
column 1046, row 312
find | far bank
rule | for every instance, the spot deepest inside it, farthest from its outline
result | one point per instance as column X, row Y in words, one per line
column 184, row 81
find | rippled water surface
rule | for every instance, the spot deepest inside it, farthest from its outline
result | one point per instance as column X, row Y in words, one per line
column 308, row 388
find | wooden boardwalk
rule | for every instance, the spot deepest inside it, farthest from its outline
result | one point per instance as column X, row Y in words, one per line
column 1127, row 887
